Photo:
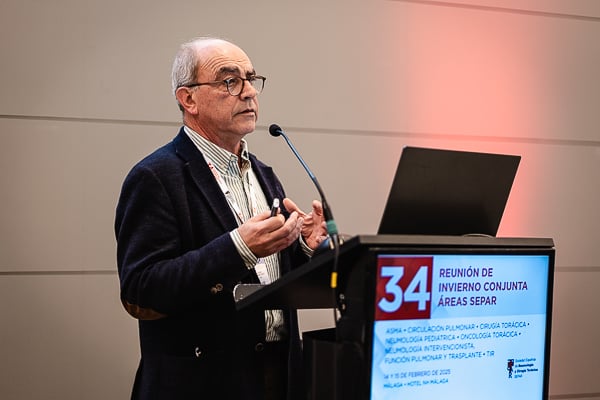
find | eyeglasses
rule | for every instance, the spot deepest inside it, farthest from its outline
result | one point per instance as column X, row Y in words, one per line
column 235, row 85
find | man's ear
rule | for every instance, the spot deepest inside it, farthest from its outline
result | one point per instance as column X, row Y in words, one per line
column 184, row 97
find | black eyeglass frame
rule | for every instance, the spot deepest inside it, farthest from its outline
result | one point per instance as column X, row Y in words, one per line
column 230, row 81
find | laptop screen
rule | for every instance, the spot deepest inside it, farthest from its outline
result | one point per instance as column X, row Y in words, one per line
column 448, row 192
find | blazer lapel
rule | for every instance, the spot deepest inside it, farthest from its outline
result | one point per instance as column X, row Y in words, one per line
column 204, row 180
column 266, row 178
column 207, row 185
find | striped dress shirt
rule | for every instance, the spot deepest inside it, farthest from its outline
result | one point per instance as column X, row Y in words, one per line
column 243, row 185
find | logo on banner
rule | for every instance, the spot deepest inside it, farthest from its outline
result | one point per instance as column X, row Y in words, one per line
column 510, row 364
column 403, row 288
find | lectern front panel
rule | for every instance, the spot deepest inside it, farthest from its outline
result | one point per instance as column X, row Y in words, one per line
column 461, row 325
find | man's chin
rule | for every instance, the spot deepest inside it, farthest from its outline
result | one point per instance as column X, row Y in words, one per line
column 247, row 128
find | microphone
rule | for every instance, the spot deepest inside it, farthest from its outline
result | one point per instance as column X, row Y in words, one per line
column 276, row 131
column 334, row 242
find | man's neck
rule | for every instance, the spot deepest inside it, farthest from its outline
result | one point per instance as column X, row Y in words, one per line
column 233, row 145
column 241, row 146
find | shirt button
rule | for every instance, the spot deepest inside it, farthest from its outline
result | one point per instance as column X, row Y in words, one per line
column 259, row 347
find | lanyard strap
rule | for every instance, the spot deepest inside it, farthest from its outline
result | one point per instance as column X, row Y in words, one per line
column 229, row 196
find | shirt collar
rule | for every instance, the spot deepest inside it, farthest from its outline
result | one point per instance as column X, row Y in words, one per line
column 224, row 161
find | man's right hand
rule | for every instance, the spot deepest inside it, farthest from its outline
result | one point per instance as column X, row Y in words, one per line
column 265, row 235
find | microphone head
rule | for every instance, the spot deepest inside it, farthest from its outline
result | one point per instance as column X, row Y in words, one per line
column 275, row 130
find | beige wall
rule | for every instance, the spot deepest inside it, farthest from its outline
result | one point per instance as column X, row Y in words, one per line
column 85, row 94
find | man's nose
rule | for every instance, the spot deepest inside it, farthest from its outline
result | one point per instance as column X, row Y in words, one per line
column 248, row 91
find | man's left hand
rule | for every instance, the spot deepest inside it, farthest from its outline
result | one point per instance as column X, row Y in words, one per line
column 314, row 228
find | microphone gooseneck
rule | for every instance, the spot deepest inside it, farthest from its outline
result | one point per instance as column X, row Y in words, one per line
column 276, row 131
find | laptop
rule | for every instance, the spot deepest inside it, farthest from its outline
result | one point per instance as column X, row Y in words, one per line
column 448, row 192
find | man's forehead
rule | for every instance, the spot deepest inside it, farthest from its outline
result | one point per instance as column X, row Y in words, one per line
column 221, row 58
column 236, row 70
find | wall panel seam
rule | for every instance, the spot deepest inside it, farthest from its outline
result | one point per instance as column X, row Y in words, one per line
column 333, row 131
column 449, row 136
column 59, row 272
column 89, row 120
column 565, row 269
column 574, row 396
column 506, row 10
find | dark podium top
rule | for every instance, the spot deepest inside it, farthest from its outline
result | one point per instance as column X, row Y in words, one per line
column 308, row 286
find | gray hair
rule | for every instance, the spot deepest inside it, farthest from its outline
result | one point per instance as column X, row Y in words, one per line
column 185, row 65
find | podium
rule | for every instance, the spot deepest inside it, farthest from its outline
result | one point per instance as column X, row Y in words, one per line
column 403, row 301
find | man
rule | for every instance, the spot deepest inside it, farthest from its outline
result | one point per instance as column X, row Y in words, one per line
column 193, row 221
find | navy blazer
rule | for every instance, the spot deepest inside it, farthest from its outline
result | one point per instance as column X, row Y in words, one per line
column 178, row 267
